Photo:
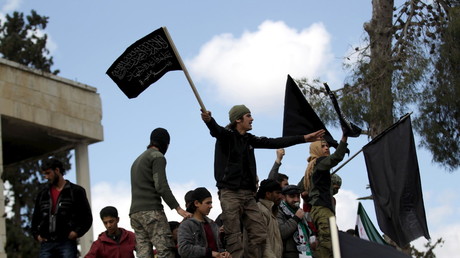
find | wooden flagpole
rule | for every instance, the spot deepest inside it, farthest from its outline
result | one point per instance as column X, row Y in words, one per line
column 192, row 85
column 348, row 160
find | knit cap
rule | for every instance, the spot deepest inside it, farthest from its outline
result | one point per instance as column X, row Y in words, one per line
column 336, row 180
column 200, row 194
column 237, row 111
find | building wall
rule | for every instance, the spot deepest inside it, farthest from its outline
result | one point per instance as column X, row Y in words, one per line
column 49, row 100
column 69, row 110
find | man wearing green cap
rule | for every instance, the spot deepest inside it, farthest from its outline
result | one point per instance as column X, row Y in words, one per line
column 235, row 174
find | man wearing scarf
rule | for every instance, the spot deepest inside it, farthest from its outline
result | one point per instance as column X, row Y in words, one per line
column 293, row 225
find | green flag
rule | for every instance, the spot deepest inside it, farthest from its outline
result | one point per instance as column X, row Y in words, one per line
column 365, row 229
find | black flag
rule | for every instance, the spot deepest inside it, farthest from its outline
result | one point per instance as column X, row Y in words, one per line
column 394, row 178
column 299, row 116
column 349, row 128
column 143, row 63
column 355, row 247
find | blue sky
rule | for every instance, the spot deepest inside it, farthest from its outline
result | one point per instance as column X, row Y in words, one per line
column 237, row 52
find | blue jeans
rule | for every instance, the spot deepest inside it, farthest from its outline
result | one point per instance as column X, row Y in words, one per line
column 64, row 249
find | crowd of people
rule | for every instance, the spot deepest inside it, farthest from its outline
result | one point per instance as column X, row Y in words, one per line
column 257, row 220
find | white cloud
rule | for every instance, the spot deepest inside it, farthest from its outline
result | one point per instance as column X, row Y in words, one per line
column 252, row 69
column 437, row 215
column 106, row 194
column 119, row 195
column 346, row 209
column 451, row 236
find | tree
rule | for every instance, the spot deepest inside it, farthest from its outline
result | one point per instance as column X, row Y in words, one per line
column 24, row 42
column 440, row 125
column 406, row 49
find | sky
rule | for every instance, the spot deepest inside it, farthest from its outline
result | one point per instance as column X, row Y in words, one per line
column 237, row 52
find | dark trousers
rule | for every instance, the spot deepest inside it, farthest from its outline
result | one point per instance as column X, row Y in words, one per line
column 58, row 249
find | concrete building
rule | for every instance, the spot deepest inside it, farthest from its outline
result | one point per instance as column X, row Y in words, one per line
column 41, row 114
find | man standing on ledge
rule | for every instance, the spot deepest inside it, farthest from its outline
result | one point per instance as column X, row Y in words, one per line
column 235, row 173
column 148, row 186
column 62, row 213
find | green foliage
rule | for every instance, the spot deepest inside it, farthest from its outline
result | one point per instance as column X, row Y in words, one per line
column 414, row 64
column 24, row 42
column 18, row 244
column 440, row 123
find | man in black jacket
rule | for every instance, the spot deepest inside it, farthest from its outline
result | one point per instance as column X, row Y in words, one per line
column 62, row 213
column 236, row 176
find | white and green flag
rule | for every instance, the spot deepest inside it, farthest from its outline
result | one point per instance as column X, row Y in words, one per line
column 365, row 229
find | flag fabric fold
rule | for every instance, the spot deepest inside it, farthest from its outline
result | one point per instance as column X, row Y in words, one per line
column 365, row 229
column 299, row 116
column 349, row 128
column 143, row 63
column 394, row 178
column 354, row 247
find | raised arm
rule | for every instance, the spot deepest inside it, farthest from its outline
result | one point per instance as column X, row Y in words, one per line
column 315, row 136
column 276, row 166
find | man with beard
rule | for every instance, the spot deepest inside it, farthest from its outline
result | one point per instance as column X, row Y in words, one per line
column 269, row 198
column 293, row 225
column 62, row 213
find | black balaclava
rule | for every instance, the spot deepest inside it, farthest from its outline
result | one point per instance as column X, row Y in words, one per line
column 160, row 139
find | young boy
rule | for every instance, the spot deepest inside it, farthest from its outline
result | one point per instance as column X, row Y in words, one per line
column 115, row 241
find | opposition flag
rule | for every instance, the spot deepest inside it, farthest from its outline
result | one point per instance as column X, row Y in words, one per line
column 143, row 63
column 365, row 229
column 394, row 178
column 349, row 128
column 299, row 116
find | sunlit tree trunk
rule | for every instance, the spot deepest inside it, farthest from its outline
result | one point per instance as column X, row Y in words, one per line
column 379, row 76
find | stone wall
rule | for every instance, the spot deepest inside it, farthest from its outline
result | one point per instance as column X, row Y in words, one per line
column 50, row 101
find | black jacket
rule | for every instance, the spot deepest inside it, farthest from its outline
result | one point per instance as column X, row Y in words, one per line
column 234, row 160
column 73, row 213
